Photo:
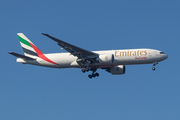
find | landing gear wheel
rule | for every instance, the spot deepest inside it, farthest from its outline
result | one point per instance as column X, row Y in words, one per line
column 86, row 69
column 153, row 68
column 94, row 73
column 97, row 74
column 83, row 70
column 90, row 76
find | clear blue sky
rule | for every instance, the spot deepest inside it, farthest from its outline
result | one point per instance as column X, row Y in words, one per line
column 37, row 93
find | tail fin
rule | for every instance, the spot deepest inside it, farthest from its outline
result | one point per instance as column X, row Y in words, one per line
column 29, row 48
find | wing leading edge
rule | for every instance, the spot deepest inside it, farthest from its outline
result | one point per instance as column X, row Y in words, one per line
column 82, row 54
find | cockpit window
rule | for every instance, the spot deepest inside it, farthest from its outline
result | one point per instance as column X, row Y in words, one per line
column 162, row 53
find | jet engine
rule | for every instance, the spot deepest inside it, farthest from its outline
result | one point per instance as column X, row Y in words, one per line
column 117, row 70
column 106, row 59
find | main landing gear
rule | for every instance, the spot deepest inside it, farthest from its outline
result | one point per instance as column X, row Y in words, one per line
column 154, row 64
column 85, row 70
column 93, row 75
column 93, row 72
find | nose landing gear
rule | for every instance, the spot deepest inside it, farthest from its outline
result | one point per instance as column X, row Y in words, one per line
column 154, row 64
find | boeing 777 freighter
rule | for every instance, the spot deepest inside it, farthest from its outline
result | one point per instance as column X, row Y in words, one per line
column 113, row 61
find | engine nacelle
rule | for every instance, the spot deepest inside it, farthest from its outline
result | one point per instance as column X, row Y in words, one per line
column 106, row 59
column 117, row 70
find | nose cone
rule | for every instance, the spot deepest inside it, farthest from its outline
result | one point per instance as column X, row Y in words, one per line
column 162, row 56
column 166, row 56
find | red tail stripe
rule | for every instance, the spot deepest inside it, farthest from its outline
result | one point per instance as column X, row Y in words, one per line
column 41, row 55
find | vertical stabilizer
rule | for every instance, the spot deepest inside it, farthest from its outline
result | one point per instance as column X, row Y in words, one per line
column 30, row 50
column 27, row 46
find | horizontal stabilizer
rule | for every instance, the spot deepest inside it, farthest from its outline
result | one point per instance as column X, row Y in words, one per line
column 21, row 56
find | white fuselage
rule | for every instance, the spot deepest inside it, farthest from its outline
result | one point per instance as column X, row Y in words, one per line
column 121, row 57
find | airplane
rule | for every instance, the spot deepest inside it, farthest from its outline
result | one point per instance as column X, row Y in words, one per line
column 113, row 61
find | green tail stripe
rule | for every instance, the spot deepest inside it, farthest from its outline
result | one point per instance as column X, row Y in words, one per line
column 24, row 41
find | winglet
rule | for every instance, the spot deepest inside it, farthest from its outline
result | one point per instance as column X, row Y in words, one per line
column 53, row 38
column 45, row 34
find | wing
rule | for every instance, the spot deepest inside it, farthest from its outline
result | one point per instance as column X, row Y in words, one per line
column 82, row 54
